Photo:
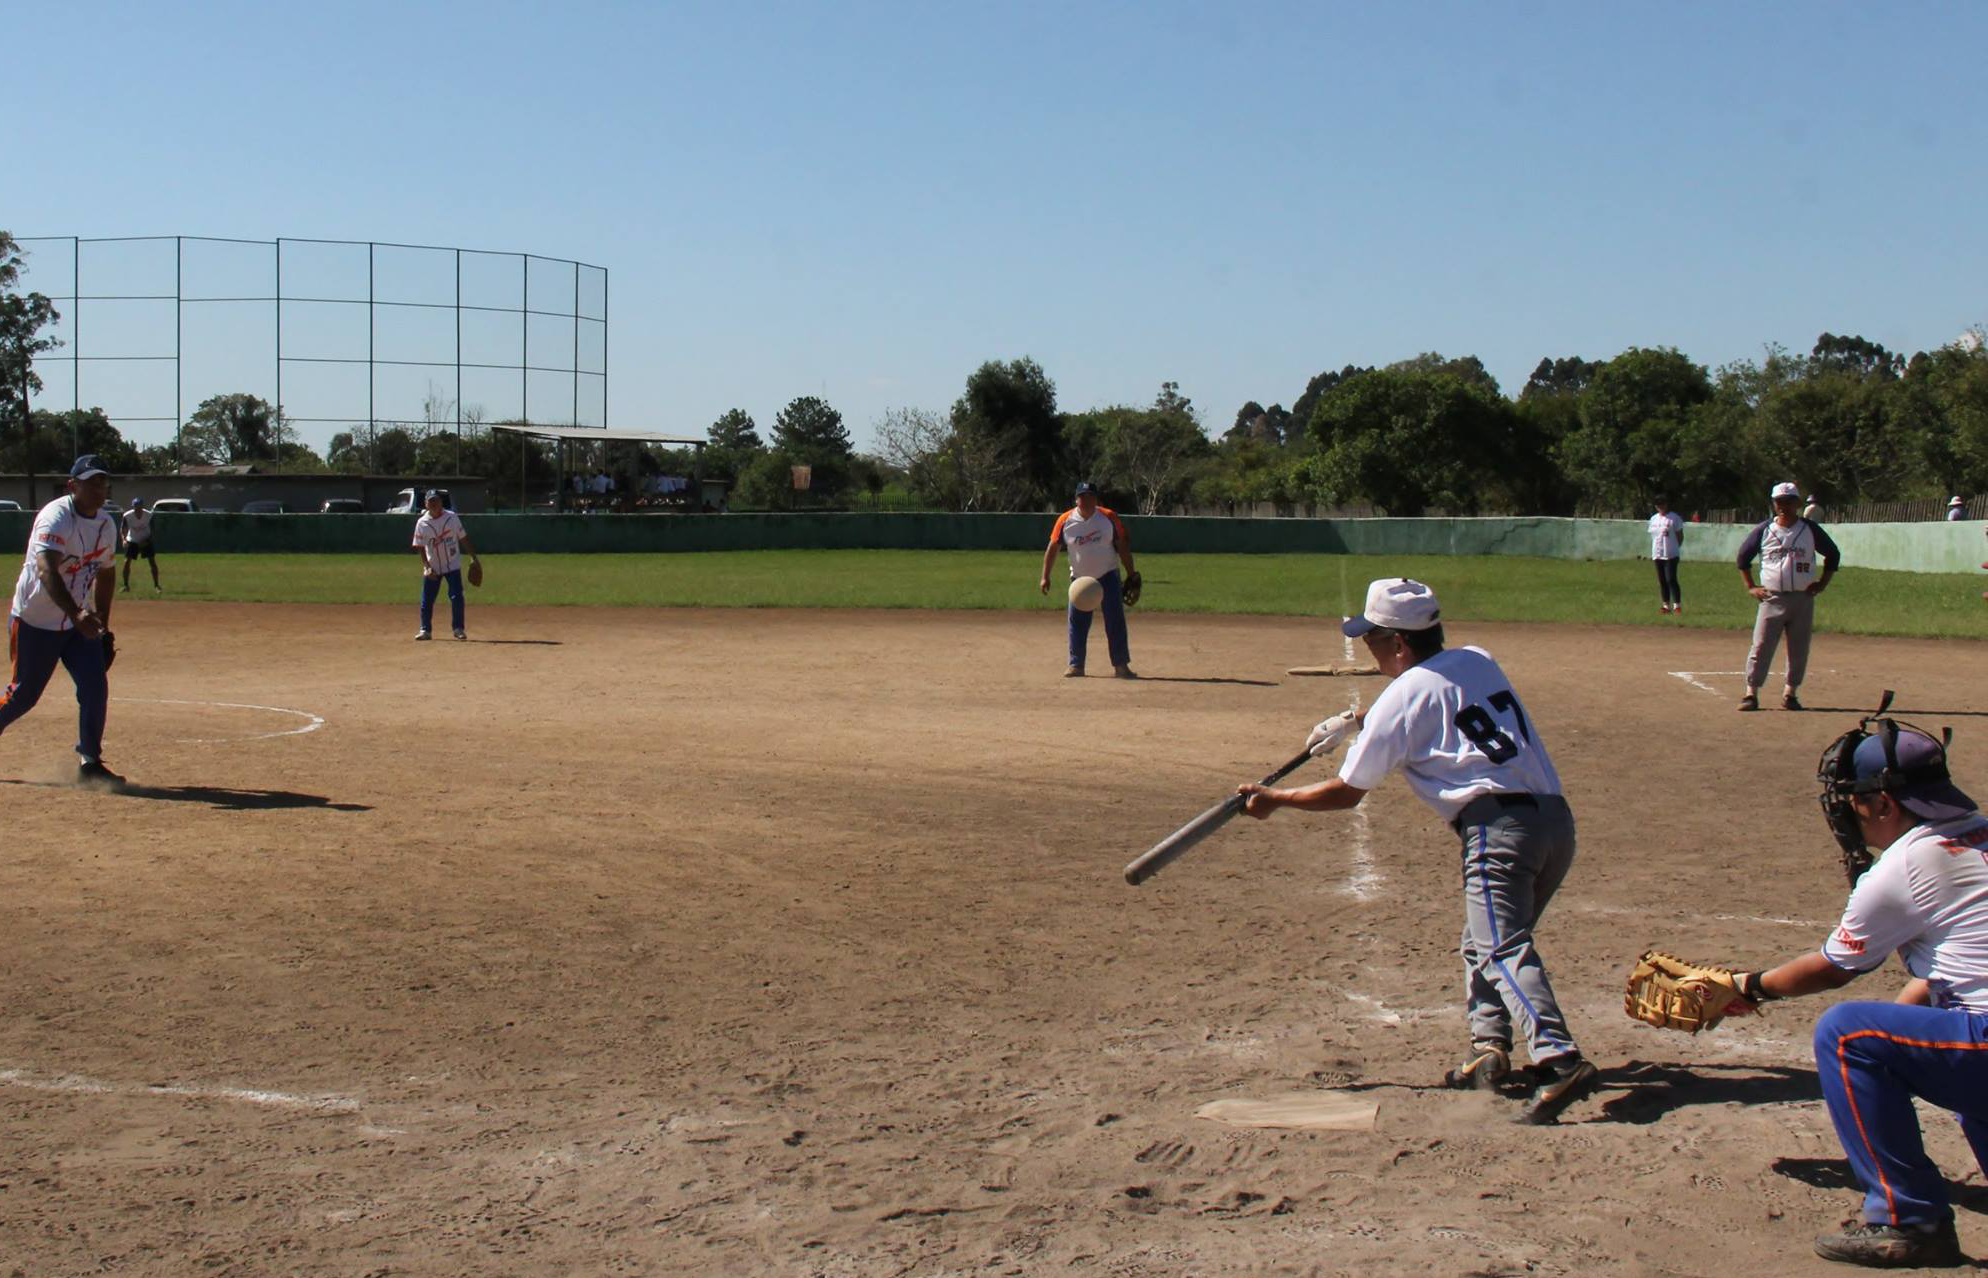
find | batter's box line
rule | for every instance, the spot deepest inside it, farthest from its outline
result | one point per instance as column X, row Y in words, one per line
column 78, row 1084
column 1691, row 677
column 312, row 724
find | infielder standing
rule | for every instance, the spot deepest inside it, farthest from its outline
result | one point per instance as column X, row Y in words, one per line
column 1787, row 546
column 1926, row 898
column 1666, row 547
column 61, row 613
column 441, row 539
column 137, row 537
column 1098, row 545
column 1450, row 721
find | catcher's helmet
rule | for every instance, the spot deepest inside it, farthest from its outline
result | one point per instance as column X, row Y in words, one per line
column 1882, row 755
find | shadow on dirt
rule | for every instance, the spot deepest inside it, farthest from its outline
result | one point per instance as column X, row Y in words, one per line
column 1646, row 1091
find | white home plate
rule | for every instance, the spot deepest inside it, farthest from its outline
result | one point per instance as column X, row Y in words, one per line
column 1316, row 1111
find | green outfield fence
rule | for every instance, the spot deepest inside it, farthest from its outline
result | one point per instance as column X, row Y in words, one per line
column 1913, row 547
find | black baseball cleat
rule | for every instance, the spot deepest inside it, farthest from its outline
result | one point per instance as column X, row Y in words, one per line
column 1927, row 1246
column 1483, row 1070
column 93, row 773
column 1564, row 1083
column 1789, row 701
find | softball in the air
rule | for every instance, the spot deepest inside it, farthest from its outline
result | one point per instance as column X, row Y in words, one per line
column 1086, row 593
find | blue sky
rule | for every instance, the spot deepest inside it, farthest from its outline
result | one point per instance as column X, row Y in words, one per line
column 864, row 201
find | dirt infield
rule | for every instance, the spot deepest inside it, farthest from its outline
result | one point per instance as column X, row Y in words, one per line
column 631, row 942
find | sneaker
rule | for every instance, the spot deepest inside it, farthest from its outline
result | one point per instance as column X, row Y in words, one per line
column 419, row 635
column 1664, row 609
column 1677, row 608
column 1789, row 701
column 1073, row 672
column 1565, row 1085
column 1487, row 1066
column 1123, row 672
column 462, row 634
column 92, row 772
column 1749, row 702
column 1893, row 1246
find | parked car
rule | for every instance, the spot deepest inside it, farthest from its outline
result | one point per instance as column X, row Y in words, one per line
column 409, row 501
column 177, row 505
column 342, row 506
column 264, row 508
column 8, row 504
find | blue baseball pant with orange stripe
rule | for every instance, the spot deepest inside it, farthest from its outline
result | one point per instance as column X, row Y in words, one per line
column 1514, row 859
column 1113, row 608
column 35, row 653
column 1873, row 1058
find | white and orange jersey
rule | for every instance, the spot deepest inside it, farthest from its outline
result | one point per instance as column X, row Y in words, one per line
column 1089, row 541
column 86, row 545
column 1926, row 899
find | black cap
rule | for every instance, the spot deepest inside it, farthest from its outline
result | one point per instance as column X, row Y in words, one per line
column 433, row 494
column 1087, row 489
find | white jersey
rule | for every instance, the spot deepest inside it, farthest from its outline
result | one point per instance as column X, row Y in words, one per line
column 1927, row 899
column 138, row 526
column 1089, row 541
column 440, row 540
column 86, row 545
column 1454, row 727
column 1788, row 556
column 1666, row 534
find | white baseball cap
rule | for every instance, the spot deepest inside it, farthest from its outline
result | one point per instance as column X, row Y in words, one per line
column 1787, row 490
column 1395, row 603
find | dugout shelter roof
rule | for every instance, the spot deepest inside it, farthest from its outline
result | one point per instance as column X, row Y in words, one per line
column 595, row 435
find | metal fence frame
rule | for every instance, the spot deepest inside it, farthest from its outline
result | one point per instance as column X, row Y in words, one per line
column 373, row 361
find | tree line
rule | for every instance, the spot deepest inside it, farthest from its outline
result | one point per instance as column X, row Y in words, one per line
column 1848, row 421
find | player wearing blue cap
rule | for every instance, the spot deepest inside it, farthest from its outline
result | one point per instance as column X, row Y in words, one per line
column 1885, row 786
column 61, row 613
column 1450, row 722
column 441, row 540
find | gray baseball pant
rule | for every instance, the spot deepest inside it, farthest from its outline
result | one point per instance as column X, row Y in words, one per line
column 1789, row 612
column 1516, row 851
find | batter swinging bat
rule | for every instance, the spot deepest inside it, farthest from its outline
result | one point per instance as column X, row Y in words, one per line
column 1162, row 854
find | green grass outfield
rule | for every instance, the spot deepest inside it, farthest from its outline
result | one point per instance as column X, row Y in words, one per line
column 1492, row 588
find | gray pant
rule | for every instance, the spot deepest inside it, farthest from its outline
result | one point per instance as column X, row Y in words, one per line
column 1784, row 611
column 1515, row 855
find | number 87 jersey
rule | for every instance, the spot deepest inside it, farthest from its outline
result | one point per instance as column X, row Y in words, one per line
column 1455, row 728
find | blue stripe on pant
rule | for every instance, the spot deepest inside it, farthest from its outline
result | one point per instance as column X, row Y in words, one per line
column 1515, row 859
column 1113, row 609
column 430, row 587
column 1873, row 1058
column 36, row 654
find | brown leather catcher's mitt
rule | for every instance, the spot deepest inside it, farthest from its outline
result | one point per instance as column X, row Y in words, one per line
column 1672, row 994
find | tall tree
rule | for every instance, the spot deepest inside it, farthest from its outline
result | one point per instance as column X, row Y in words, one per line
column 1316, row 389
column 1408, row 440
column 22, row 317
column 230, row 429
column 808, row 428
column 1010, row 409
column 736, row 431
column 1632, row 414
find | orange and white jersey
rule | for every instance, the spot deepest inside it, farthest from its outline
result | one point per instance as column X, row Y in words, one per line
column 1089, row 541
column 1926, row 899
column 86, row 546
column 440, row 541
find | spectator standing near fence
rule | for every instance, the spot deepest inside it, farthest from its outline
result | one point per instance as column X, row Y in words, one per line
column 1814, row 508
column 1789, row 548
column 1666, row 548
column 1956, row 509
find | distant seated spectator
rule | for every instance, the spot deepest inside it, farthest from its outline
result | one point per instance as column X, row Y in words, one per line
column 1956, row 509
column 1814, row 508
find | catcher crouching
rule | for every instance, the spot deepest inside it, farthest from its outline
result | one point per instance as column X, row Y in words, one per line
column 1885, row 786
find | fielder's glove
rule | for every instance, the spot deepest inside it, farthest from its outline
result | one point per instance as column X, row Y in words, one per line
column 1325, row 738
column 1672, row 994
column 110, row 648
column 476, row 572
column 1133, row 585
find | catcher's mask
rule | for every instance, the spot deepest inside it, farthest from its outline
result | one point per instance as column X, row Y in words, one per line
column 1884, row 755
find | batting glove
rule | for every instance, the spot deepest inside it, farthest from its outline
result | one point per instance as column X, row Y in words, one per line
column 1325, row 738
